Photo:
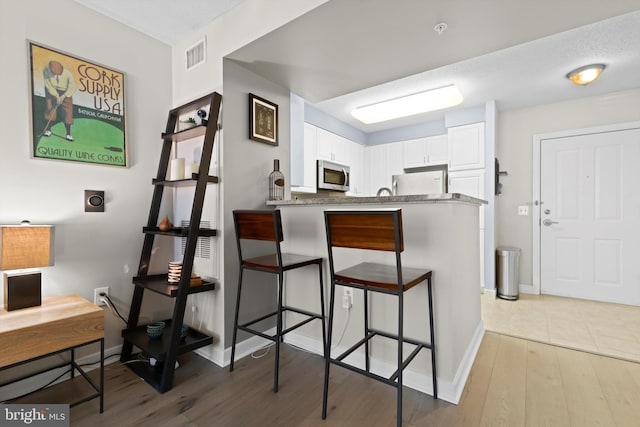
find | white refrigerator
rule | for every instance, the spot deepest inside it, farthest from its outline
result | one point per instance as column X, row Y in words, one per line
column 432, row 182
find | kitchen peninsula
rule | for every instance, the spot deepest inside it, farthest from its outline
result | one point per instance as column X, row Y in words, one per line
column 441, row 234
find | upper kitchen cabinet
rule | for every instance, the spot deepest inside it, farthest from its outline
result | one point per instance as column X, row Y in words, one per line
column 429, row 151
column 466, row 147
column 330, row 146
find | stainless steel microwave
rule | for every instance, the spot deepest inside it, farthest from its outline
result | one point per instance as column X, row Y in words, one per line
column 333, row 176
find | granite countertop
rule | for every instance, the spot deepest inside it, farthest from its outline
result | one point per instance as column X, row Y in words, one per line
column 418, row 198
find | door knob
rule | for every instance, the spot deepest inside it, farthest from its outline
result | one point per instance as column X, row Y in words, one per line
column 548, row 222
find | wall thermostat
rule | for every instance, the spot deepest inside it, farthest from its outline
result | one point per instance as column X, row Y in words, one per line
column 93, row 201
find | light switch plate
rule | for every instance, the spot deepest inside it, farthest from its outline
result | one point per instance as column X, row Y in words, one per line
column 523, row 210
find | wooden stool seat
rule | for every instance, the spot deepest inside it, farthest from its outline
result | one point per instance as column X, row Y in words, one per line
column 289, row 262
column 383, row 276
column 266, row 226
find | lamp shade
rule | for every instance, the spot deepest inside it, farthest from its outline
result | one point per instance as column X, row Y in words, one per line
column 26, row 246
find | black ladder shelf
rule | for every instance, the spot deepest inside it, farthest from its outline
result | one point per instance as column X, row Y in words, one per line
column 166, row 349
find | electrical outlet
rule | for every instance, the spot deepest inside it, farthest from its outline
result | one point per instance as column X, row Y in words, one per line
column 97, row 299
column 347, row 298
column 523, row 210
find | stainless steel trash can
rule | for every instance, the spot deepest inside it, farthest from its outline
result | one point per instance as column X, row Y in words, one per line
column 507, row 272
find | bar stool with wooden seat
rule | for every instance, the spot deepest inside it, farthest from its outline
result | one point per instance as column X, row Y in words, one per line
column 379, row 230
column 266, row 225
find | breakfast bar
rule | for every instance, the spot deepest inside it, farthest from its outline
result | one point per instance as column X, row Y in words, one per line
column 441, row 234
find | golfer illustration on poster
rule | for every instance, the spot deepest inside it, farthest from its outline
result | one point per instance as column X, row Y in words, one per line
column 77, row 109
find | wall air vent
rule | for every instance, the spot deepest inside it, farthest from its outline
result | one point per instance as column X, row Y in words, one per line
column 196, row 54
column 203, row 248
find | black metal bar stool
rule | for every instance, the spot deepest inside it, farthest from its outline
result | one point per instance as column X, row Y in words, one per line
column 266, row 225
column 379, row 230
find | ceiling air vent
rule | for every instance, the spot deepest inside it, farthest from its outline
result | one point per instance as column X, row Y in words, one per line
column 196, row 55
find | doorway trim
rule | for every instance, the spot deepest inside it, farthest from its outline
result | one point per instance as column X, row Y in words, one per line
column 537, row 166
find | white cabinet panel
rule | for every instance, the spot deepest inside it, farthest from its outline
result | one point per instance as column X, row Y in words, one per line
column 438, row 150
column 383, row 161
column 415, row 153
column 308, row 166
column 471, row 183
column 377, row 168
column 309, row 156
column 394, row 160
column 433, row 150
column 354, row 158
column 466, row 147
column 330, row 146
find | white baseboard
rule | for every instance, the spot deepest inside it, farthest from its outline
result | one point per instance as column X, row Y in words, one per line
column 244, row 348
column 13, row 390
column 447, row 390
column 527, row 289
column 490, row 293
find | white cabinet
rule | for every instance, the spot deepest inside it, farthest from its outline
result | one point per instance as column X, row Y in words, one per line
column 383, row 161
column 466, row 147
column 377, row 166
column 432, row 150
column 308, row 166
column 471, row 183
column 330, row 146
column 354, row 158
column 321, row 144
column 310, row 139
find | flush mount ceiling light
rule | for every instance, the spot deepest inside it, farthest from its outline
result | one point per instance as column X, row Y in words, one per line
column 417, row 103
column 584, row 75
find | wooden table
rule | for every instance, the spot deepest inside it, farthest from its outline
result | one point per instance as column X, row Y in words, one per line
column 60, row 324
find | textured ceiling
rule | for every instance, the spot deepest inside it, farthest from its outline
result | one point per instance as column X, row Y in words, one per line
column 342, row 55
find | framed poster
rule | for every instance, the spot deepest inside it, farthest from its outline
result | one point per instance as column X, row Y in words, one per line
column 77, row 109
column 263, row 120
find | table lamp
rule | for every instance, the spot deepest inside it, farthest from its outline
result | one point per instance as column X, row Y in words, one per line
column 24, row 246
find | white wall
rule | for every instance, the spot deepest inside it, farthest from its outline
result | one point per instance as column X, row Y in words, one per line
column 91, row 249
column 514, row 149
column 246, row 165
column 242, row 180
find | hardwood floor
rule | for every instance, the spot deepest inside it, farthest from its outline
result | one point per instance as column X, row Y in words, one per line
column 513, row 382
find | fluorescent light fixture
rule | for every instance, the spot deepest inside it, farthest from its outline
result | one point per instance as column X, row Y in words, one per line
column 431, row 100
column 584, row 75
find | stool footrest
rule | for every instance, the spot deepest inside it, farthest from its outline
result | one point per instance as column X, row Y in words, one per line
column 405, row 339
column 372, row 333
column 364, row 372
column 355, row 346
column 311, row 316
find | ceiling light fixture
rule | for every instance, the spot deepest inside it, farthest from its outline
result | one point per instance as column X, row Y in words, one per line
column 584, row 75
column 431, row 100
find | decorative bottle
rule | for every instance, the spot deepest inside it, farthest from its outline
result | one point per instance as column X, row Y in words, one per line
column 276, row 182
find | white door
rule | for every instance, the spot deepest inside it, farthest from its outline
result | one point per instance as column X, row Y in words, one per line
column 590, row 216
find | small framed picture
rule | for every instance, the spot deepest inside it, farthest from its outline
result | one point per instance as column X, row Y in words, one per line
column 263, row 120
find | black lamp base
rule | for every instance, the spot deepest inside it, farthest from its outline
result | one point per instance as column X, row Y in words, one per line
column 22, row 290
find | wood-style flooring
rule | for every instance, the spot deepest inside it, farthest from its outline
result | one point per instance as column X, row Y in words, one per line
column 513, row 382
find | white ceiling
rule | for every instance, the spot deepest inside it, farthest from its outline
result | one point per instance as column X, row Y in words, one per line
column 169, row 21
column 342, row 55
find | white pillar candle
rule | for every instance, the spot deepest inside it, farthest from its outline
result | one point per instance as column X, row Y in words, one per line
column 177, row 169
